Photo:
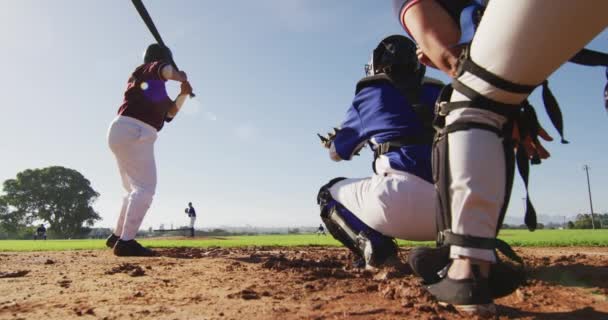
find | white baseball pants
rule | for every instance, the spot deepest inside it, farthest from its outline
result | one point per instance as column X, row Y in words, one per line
column 132, row 142
column 394, row 203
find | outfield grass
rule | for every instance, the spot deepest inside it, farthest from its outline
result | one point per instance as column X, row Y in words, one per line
column 540, row 238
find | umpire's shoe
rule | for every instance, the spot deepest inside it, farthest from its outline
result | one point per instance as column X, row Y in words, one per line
column 131, row 248
column 431, row 265
column 111, row 241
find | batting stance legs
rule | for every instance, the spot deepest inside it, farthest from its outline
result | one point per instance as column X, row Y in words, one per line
column 132, row 142
column 519, row 43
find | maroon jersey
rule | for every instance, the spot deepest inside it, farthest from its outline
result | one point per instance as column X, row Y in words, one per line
column 146, row 96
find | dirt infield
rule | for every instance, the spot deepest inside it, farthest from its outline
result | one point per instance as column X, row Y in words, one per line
column 272, row 283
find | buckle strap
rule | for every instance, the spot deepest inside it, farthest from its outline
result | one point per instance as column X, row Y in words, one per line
column 461, row 126
column 553, row 110
column 448, row 237
column 404, row 141
column 590, row 58
column 480, row 102
column 468, row 65
column 467, row 241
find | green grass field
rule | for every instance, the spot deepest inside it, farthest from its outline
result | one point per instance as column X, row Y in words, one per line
column 540, row 238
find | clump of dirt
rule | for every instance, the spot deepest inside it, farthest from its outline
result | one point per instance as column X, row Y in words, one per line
column 247, row 294
column 192, row 253
column 15, row 274
column 64, row 283
column 49, row 261
column 281, row 262
column 132, row 270
column 87, row 311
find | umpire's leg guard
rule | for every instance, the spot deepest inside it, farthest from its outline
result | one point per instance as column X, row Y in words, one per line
column 474, row 164
column 364, row 242
column 473, row 167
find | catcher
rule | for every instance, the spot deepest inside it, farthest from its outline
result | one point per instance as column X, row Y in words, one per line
column 392, row 112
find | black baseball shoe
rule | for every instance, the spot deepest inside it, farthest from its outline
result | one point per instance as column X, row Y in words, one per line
column 431, row 265
column 111, row 241
column 378, row 250
column 472, row 296
column 132, row 248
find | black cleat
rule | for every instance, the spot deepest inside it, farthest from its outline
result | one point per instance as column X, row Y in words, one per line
column 383, row 251
column 111, row 241
column 472, row 296
column 132, row 248
column 431, row 263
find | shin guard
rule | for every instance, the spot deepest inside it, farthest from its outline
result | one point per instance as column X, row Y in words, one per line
column 441, row 162
column 364, row 242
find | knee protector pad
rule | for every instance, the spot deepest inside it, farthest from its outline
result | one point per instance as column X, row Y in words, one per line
column 364, row 242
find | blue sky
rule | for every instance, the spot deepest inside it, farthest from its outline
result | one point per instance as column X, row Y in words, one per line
column 269, row 74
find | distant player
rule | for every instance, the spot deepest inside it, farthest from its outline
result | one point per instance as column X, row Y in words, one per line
column 40, row 233
column 321, row 230
column 392, row 111
column 191, row 214
column 131, row 138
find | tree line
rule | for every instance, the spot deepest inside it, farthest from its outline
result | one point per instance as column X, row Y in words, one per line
column 582, row 221
column 58, row 197
column 62, row 199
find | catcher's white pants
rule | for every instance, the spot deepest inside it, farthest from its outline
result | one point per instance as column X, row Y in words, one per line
column 192, row 220
column 394, row 203
column 521, row 41
column 132, row 142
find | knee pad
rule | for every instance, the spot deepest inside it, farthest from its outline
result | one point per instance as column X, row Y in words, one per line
column 364, row 242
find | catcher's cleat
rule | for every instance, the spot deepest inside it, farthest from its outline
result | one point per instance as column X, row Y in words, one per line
column 111, row 241
column 131, row 248
column 377, row 250
column 471, row 296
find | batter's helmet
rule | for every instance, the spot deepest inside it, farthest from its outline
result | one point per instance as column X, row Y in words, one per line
column 156, row 52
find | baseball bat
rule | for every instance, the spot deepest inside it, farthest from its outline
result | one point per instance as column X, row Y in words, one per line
column 143, row 13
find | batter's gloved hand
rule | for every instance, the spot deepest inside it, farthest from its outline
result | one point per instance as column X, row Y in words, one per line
column 186, row 88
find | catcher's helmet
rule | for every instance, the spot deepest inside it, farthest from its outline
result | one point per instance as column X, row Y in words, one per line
column 396, row 57
column 156, row 52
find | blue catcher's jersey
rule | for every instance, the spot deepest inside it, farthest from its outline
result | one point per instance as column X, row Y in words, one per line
column 380, row 113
